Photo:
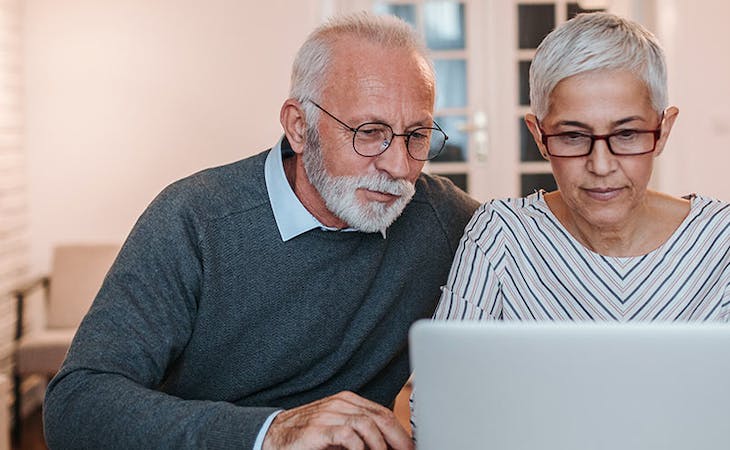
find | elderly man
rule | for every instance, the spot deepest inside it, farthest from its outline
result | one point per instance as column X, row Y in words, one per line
column 266, row 303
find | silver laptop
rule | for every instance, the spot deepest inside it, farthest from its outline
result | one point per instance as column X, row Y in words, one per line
column 568, row 386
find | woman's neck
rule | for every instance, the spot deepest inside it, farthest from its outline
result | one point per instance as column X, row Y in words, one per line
column 648, row 227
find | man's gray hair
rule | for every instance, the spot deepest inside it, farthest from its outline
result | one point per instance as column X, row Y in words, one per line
column 314, row 57
column 592, row 42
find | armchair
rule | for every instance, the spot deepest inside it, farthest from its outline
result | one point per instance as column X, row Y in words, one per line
column 77, row 272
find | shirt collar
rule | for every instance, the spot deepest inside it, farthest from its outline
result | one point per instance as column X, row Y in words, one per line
column 292, row 218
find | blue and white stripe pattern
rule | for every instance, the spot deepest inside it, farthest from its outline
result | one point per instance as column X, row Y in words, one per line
column 517, row 262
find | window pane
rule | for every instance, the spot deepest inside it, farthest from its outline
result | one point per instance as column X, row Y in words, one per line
column 450, row 83
column 455, row 149
column 531, row 182
column 528, row 147
column 524, row 71
column 459, row 179
column 534, row 23
column 405, row 12
column 444, row 24
column 573, row 9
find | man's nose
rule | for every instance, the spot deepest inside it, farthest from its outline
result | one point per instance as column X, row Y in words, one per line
column 395, row 160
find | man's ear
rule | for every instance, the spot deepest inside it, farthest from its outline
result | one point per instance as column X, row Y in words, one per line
column 294, row 122
column 531, row 122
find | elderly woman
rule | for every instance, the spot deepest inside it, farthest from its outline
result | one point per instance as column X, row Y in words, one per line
column 603, row 246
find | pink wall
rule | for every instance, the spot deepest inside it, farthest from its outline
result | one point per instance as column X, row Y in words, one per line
column 696, row 37
column 123, row 97
column 126, row 96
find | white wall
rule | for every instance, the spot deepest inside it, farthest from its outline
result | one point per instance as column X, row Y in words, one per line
column 125, row 96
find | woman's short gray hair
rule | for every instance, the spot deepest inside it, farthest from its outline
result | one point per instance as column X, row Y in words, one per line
column 597, row 41
column 313, row 58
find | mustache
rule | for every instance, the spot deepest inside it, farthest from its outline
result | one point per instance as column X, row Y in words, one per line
column 383, row 183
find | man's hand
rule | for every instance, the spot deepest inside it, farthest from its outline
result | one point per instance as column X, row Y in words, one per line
column 344, row 420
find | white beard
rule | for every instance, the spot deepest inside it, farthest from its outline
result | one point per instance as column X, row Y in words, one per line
column 340, row 192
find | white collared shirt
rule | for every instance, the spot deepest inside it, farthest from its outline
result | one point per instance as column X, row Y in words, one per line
column 292, row 218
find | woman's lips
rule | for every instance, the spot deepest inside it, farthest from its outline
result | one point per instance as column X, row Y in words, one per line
column 603, row 194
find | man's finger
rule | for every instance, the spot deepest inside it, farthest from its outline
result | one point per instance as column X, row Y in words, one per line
column 368, row 430
column 385, row 419
column 388, row 425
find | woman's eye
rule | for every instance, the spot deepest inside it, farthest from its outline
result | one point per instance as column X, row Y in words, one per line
column 626, row 134
column 574, row 137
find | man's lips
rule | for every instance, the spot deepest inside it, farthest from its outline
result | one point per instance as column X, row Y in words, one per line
column 378, row 196
column 603, row 193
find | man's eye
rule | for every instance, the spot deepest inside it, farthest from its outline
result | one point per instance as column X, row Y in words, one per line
column 375, row 132
column 419, row 134
column 367, row 131
column 372, row 128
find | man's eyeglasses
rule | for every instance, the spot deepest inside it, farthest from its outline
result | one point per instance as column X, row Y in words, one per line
column 574, row 144
column 373, row 138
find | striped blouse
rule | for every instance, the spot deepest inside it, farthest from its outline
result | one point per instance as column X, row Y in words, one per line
column 517, row 262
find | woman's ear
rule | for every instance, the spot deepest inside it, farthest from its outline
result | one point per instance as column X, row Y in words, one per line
column 532, row 125
column 670, row 115
column 294, row 122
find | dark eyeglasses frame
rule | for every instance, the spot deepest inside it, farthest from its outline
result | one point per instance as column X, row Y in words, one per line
column 600, row 137
column 406, row 136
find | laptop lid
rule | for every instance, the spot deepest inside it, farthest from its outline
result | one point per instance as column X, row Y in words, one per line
column 568, row 386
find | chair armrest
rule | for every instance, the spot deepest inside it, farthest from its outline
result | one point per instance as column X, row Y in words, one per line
column 22, row 292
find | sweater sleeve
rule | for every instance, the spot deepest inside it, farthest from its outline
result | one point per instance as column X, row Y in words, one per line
column 452, row 206
column 110, row 392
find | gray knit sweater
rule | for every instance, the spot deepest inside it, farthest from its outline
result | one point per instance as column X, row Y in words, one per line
column 207, row 322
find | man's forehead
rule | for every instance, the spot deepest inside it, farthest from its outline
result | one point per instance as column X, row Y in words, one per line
column 373, row 66
column 354, row 51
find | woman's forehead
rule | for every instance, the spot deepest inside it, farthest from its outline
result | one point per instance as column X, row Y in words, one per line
column 600, row 93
